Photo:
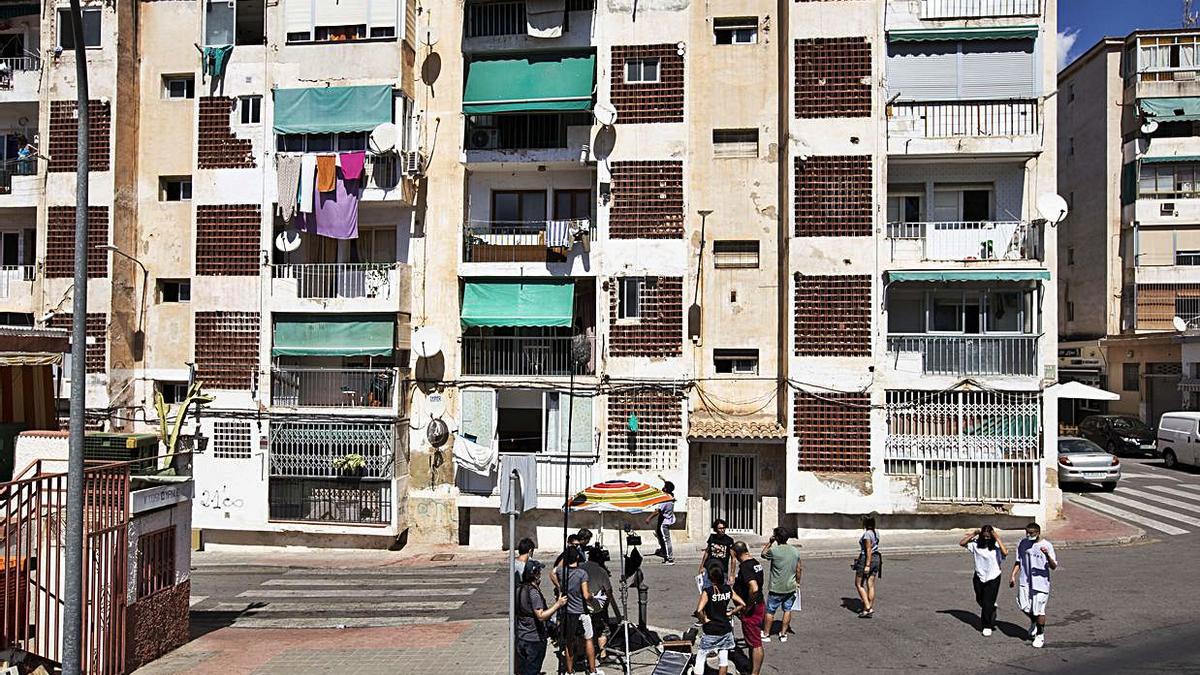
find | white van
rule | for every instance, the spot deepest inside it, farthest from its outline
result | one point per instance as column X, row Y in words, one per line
column 1179, row 438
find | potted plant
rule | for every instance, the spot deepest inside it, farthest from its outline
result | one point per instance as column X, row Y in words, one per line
column 352, row 465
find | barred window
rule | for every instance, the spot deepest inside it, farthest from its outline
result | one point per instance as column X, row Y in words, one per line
column 231, row 439
column 156, row 561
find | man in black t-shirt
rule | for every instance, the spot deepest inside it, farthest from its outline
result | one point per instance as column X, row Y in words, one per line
column 719, row 548
column 749, row 586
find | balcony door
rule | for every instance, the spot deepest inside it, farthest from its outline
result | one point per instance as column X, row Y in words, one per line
column 963, row 227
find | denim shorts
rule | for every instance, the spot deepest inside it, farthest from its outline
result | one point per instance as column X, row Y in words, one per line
column 777, row 600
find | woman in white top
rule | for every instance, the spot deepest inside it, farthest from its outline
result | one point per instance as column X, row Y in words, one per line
column 989, row 552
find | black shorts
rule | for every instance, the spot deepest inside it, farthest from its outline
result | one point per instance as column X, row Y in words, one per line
column 572, row 627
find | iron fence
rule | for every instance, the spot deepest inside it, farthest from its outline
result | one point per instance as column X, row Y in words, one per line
column 338, row 280
column 300, row 387
column 963, row 241
column 528, row 241
column 956, row 119
column 366, row 502
column 521, row 355
column 307, row 449
column 976, row 9
column 1015, row 355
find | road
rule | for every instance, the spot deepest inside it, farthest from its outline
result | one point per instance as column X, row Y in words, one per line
column 1114, row 609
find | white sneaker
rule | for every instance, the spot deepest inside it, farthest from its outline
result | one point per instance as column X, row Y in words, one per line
column 1039, row 641
column 783, row 637
column 987, row 632
column 765, row 637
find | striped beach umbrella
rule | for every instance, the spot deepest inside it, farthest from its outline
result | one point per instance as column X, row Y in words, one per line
column 619, row 496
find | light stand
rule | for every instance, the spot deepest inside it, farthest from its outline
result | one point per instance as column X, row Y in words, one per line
column 624, row 602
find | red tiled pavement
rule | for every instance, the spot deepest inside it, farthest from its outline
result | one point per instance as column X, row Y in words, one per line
column 1080, row 525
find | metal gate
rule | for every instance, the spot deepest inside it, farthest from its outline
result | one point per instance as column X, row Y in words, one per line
column 734, row 492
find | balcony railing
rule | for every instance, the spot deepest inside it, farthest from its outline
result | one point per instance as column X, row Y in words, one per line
column 507, row 17
column 10, row 274
column 366, row 502
column 1015, row 355
column 551, row 475
column 958, row 119
column 383, row 171
column 15, row 167
column 533, row 131
column 977, row 9
column 13, row 64
column 338, row 280
column 522, row 356
column 965, row 241
column 536, row 241
column 332, row 387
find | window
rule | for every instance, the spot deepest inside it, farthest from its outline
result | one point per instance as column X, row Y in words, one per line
column 1187, row 257
column 156, row 561
column 732, row 254
column 16, row 250
column 904, row 208
column 231, row 439
column 987, row 70
column 342, row 142
column 736, row 31
column 339, row 20
column 249, row 109
column 518, row 206
column 175, row 188
column 735, row 361
column 1130, row 377
column 179, row 86
column 629, row 301
column 735, row 142
column 91, row 29
column 572, row 204
column 644, row 71
column 962, row 203
column 174, row 290
column 172, row 392
column 1187, row 309
column 234, row 22
column 1168, row 181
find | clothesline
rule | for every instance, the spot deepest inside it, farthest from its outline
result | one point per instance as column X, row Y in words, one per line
column 320, row 191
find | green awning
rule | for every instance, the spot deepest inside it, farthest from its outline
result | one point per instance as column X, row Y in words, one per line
column 333, row 336
column 529, row 84
column 1170, row 158
column 516, row 303
column 970, row 275
column 24, row 9
column 956, row 34
column 1184, row 109
column 330, row 110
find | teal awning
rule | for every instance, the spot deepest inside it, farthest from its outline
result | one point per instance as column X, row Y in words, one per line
column 1183, row 109
column 1171, row 158
column 530, row 84
column 970, row 275
column 330, row 110
column 956, row 34
column 516, row 303
column 333, row 336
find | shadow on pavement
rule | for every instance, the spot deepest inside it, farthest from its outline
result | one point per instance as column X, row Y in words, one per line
column 854, row 605
column 205, row 622
column 969, row 618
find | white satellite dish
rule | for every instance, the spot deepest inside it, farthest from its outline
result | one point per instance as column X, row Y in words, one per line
column 287, row 241
column 383, row 138
column 605, row 114
column 1052, row 207
column 1179, row 324
column 430, row 37
column 1149, row 127
column 426, row 341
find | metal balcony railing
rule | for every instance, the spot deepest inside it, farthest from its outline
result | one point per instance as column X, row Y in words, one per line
column 1015, row 355
column 532, row 131
column 529, row 356
column 339, row 280
column 15, row 167
column 299, row 387
column 10, row 274
column 383, row 171
column 978, row 9
column 958, row 119
column 532, row 241
column 964, row 241
column 488, row 19
column 11, row 64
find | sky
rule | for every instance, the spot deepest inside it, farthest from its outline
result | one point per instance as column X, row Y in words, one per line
column 1081, row 23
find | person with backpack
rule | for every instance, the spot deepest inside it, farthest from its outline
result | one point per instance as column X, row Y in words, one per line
column 867, row 567
column 749, row 587
column 532, row 615
column 664, row 513
column 989, row 553
column 718, row 603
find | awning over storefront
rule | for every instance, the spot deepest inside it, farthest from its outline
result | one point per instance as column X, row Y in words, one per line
column 1182, row 109
column 328, row 110
column 515, row 303
column 1170, row 158
column 530, row 84
column 957, row 34
column 330, row 336
column 969, row 275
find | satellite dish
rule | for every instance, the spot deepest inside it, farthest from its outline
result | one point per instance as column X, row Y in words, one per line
column 287, row 241
column 1179, row 324
column 430, row 37
column 605, row 114
column 383, row 138
column 1149, row 127
column 426, row 341
column 1052, row 207
column 437, row 433
column 435, row 404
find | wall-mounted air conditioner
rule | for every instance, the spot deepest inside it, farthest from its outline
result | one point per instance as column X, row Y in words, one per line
column 483, row 139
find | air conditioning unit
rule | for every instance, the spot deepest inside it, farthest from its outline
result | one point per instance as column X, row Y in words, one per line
column 112, row 447
column 414, row 163
column 1167, row 209
column 483, row 139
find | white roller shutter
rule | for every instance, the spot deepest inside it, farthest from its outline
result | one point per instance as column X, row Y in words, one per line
column 997, row 69
column 923, row 71
column 383, row 13
column 297, row 16
column 341, row 12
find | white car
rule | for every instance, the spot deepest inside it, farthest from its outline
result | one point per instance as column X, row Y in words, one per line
column 1179, row 438
column 1082, row 461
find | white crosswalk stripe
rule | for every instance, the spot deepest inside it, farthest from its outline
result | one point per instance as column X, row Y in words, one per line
column 1127, row 515
column 1142, row 506
column 355, row 593
column 1177, row 503
column 1172, row 491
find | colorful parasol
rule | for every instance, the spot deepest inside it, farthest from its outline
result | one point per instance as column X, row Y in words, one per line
column 619, row 496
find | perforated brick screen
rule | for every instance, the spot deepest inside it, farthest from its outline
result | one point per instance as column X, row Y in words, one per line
column 834, row 431
column 227, row 240
column 227, row 349
column 642, row 102
column 97, row 338
column 655, row 444
column 64, row 141
column 833, row 77
column 658, row 331
column 216, row 146
column 833, row 315
column 832, row 196
column 647, row 200
column 60, row 242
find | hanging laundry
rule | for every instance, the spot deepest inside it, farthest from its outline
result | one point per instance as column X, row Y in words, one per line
column 287, row 173
column 352, row 164
column 326, row 173
column 308, row 177
column 545, row 18
column 474, row 457
column 214, row 59
column 335, row 214
column 558, row 233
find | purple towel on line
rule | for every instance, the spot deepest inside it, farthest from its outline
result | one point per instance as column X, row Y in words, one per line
column 352, row 164
column 335, row 214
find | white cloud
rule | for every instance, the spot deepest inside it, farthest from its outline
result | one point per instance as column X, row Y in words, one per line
column 1066, row 42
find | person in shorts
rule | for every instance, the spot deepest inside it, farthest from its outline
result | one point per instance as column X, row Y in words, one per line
column 577, row 622
column 867, row 567
column 748, row 586
column 718, row 603
column 1031, row 575
column 784, row 583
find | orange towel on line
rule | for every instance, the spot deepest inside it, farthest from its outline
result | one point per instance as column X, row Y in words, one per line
column 326, row 173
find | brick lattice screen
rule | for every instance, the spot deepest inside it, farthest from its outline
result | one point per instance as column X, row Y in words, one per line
column 64, row 140
column 228, row 241
column 216, row 146
column 227, row 349
column 60, row 242
column 834, row 432
column 659, row 329
column 97, row 333
column 833, row 77
column 655, row 445
column 833, row 315
column 643, row 102
column 833, row 196
column 647, row 200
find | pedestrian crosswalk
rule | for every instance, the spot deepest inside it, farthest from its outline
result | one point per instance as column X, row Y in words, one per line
column 1159, row 502
column 346, row 598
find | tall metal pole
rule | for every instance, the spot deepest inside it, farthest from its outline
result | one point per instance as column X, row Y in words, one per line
column 562, row 577
column 72, row 630
column 512, row 564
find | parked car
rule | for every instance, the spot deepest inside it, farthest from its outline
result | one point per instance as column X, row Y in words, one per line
column 1082, row 461
column 1179, row 438
column 1119, row 434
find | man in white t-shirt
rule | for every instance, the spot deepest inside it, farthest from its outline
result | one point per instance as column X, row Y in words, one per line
column 1035, row 560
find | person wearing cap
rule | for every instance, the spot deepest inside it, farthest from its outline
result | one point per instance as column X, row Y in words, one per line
column 578, row 622
column 532, row 615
